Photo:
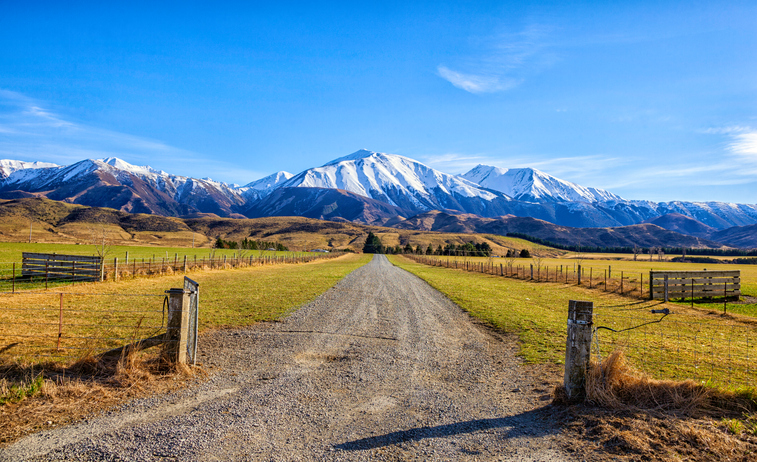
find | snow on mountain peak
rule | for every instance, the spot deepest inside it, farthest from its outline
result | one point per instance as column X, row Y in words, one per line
column 270, row 182
column 8, row 166
column 357, row 155
column 127, row 167
column 391, row 178
column 530, row 184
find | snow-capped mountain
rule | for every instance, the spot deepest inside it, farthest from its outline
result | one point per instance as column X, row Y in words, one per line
column 267, row 184
column 382, row 188
column 532, row 185
column 117, row 184
column 398, row 181
column 8, row 166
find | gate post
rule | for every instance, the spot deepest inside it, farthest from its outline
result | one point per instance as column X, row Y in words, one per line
column 666, row 289
column 578, row 348
column 177, row 329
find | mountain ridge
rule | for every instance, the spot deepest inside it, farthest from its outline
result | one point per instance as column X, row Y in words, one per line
column 376, row 188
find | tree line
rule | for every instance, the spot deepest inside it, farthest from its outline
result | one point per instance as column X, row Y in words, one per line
column 249, row 244
column 636, row 249
column 373, row 245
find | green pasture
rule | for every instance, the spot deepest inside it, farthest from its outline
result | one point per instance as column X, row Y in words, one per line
column 11, row 251
column 632, row 272
column 97, row 316
column 689, row 343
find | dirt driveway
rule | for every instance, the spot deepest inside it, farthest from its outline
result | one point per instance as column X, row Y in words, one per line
column 381, row 367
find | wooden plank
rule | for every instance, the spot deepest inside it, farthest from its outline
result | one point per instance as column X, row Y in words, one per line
column 58, row 268
column 689, row 274
column 62, row 257
column 697, row 281
column 687, row 294
column 715, row 288
column 67, row 264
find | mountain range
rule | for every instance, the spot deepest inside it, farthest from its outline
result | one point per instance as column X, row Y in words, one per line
column 372, row 188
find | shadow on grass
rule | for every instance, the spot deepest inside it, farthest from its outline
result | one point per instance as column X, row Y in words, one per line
column 531, row 423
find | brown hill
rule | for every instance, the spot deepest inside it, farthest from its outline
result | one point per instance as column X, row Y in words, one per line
column 643, row 235
column 738, row 236
column 683, row 224
column 67, row 223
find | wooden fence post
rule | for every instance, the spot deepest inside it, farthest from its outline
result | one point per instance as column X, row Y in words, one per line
column 666, row 288
column 115, row 269
column 578, row 348
column 177, row 328
column 579, row 275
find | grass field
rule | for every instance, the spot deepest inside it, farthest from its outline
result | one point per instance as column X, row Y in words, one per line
column 634, row 273
column 11, row 251
column 688, row 344
column 98, row 316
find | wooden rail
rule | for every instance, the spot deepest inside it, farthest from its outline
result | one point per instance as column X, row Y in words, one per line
column 55, row 266
column 695, row 284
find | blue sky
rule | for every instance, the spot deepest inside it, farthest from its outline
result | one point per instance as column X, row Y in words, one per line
column 651, row 100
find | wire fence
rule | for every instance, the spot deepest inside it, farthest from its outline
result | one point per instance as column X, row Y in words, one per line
column 716, row 350
column 63, row 327
column 626, row 283
column 11, row 279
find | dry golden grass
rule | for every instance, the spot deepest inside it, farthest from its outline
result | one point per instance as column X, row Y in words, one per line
column 634, row 417
column 69, row 393
column 228, row 298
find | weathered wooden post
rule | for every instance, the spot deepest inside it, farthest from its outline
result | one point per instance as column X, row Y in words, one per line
column 621, row 282
column 641, row 285
column 666, row 288
column 532, row 272
column 579, row 275
column 60, row 321
column 578, row 348
column 185, row 264
column 177, row 328
column 115, row 269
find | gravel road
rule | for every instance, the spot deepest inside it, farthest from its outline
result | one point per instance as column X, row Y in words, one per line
column 380, row 367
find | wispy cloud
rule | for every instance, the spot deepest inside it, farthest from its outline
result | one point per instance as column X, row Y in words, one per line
column 744, row 146
column 30, row 131
column 740, row 156
column 502, row 62
column 476, row 83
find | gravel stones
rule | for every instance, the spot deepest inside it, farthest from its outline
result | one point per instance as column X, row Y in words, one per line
column 380, row 367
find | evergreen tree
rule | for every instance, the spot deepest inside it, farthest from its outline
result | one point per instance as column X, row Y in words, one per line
column 408, row 248
column 525, row 253
column 373, row 244
column 429, row 250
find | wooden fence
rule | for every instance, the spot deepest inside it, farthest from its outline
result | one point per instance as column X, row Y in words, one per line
column 54, row 266
column 694, row 284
